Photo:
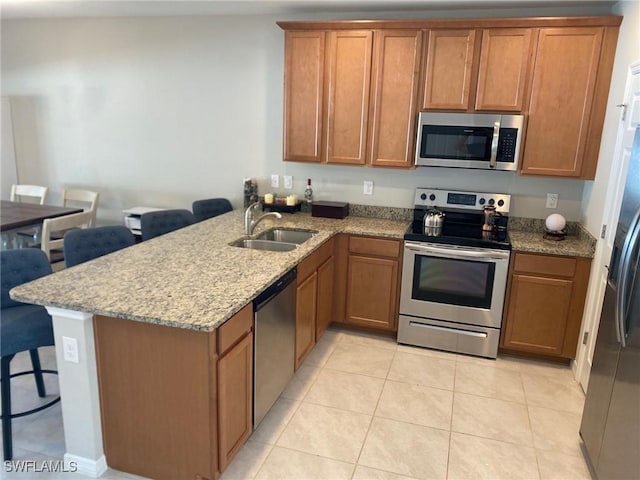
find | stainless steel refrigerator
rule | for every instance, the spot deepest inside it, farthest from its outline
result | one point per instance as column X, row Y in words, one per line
column 611, row 419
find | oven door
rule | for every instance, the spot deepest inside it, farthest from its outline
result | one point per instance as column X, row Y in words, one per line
column 454, row 283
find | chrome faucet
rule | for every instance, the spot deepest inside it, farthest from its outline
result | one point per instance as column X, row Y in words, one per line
column 250, row 223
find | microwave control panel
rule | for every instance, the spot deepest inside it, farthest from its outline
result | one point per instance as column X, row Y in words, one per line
column 507, row 141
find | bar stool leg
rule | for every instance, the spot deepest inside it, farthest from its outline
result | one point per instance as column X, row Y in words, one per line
column 5, row 390
column 37, row 372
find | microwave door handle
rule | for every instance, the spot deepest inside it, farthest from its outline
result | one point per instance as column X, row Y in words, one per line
column 494, row 145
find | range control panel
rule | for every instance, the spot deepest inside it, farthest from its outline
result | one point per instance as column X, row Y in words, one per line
column 431, row 197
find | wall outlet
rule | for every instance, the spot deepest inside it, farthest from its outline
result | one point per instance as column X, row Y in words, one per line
column 552, row 200
column 275, row 181
column 70, row 349
column 288, row 181
column 368, row 187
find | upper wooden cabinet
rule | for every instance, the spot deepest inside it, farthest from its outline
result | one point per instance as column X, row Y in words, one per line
column 449, row 69
column 503, row 69
column 569, row 90
column 347, row 109
column 352, row 94
column 394, row 98
column 303, row 95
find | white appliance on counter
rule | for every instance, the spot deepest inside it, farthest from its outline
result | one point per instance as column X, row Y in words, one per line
column 132, row 217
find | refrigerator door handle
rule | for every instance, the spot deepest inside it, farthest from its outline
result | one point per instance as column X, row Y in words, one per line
column 623, row 276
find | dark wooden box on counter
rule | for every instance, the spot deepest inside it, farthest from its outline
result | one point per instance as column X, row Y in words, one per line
column 330, row 209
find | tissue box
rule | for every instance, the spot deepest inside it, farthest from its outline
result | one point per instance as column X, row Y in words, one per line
column 329, row 209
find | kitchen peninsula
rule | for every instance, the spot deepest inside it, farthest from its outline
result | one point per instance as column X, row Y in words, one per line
column 191, row 280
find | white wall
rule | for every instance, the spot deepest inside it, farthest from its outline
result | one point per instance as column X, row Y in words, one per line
column 163, row 111
column 627, row 52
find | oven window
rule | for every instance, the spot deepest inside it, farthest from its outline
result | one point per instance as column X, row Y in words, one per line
column 466, row 283
column 457, row 143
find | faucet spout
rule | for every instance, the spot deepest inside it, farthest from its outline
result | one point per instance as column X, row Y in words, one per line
column 250, row 223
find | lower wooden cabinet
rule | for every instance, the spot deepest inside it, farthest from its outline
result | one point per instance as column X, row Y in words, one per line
column 373, row 279
column 235, row 384
column 314, row 298
column 545, row 304
column 170, row 408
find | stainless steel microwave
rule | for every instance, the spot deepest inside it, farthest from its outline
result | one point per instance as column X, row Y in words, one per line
column 469, row 140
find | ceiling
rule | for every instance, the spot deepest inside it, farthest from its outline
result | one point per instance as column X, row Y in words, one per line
column 101, row 8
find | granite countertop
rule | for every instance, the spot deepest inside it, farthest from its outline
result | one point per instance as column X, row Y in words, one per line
column 527, row 236
column 190, row 278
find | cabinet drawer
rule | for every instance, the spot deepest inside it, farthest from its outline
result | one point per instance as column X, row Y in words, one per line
column 545, row 265
column 234, row 329
column 310, row 264
column 374, row 246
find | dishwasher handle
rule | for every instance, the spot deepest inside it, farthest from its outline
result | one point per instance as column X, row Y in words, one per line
column 275, row 288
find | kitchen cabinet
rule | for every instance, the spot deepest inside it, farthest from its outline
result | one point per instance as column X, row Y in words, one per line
column 570, row 86
column 394, row 98
column 373, row 282
column 157, row 399
column 304, row 95
column 449, row 69
column 545, row 304
column 481, row 70
column 314, row 298
column 333, row 113
column 175, row 403
column 235, row 384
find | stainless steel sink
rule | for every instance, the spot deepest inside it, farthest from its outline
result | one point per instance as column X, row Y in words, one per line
column 264, row 245
column 286, row 235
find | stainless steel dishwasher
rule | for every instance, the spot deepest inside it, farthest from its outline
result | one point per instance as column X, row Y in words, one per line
column 274, row 343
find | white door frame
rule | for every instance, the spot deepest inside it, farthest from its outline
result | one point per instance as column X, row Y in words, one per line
column 599, row 266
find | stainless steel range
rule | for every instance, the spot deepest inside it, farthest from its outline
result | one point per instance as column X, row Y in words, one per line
column 454, row 274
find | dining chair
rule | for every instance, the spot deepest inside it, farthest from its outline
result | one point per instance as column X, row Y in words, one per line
column 52, row 246
column 210, row 207
column 21, row 193
column 154, row 224
column 23, row 327
column 82, row 245
column 87, row 199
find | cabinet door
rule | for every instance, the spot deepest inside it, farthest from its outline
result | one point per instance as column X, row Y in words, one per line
column 235, row 399
column 505, row 59
column 306, row 301
column 537, row 314
column 564, row 80
column 324, row 307
column 396, row 65
column 372, row 292
column 347, row 110
column 449, row 69
column 303, row 95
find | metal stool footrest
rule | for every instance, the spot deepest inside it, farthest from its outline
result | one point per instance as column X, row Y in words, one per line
column 41, row 407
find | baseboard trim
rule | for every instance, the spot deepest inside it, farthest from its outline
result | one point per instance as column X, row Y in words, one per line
column 85, row 466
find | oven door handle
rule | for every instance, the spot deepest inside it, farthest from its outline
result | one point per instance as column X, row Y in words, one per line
column 457, row 252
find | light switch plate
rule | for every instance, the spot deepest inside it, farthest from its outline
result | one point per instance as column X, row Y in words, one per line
column 552, row 200
column 275, row 181
column 288, row 181
column 70, row 349
column 368, row 187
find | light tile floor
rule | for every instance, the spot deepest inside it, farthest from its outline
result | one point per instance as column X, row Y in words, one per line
column 363, row 407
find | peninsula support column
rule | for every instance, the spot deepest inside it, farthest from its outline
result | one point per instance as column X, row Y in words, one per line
column 78, row 379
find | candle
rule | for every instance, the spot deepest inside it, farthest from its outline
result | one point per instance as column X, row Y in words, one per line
column 268, row 198
column 291, row 201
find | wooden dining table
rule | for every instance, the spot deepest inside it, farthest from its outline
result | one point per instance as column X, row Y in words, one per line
column 17, row 215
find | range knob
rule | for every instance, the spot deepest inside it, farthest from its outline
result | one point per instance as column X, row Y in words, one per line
column 500, row 203
column 423, row 196
column 481, row 201
column 432, row 197
column 491, row 201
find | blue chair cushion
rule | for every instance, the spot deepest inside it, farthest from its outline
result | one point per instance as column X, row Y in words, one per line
column 18, row 267
column 154, row 224
column 25, row 328
column 209, row 208
column 86, row 244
